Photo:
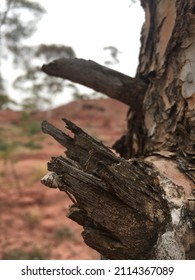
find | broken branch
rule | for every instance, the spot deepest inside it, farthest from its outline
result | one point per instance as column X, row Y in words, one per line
column 119, row 203
column 100, row 78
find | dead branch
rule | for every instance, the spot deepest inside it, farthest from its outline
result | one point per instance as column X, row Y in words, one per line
column 100, row 78
column 119, row 203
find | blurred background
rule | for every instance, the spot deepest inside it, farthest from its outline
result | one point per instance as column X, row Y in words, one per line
column 33, row 223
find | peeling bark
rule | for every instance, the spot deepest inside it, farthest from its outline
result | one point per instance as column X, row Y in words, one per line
column 167, row 64
column 145, row 207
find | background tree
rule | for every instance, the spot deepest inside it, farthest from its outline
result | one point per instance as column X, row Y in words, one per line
column 15, row 28
column 114, row 52
column 19, row 20
column 39, row 88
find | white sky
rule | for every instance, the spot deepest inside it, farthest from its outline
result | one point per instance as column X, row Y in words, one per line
column 90, row 25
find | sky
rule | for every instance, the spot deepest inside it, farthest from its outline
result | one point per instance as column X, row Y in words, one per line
column 90, row 25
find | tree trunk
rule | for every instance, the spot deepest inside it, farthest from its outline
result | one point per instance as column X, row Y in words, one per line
column 145, row 207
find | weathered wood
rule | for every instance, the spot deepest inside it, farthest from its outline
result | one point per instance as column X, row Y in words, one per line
column 119, row 203
column 167, row 62
column 100, row 78
column 135, row 209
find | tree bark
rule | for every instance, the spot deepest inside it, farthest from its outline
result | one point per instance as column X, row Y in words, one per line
column 129, row 209
column 114, row 200
column 145, row 207
column 167, row 64
column 100, row 78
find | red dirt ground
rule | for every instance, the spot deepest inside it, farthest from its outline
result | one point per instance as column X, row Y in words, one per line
column 33, row 222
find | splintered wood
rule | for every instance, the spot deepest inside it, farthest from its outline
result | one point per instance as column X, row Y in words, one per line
column 119, row 203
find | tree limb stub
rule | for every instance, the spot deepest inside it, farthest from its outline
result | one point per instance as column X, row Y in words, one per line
column 119, row 203
column 100, row 78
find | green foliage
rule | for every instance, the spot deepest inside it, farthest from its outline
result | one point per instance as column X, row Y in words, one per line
column 33, row 128
column 14, row 27
column 37, row 84
column 31, row 219
column 2, row 174
column 114, row 52
column 33, row 145
column 7, row 148
column 63, row 233
column 79, row 96
column 3, row 145
column 25, row 116
column 48, row 52
column 29, row 127
column 20, row 254
column 92, row 95
column 5, row 101
column 18, row 22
